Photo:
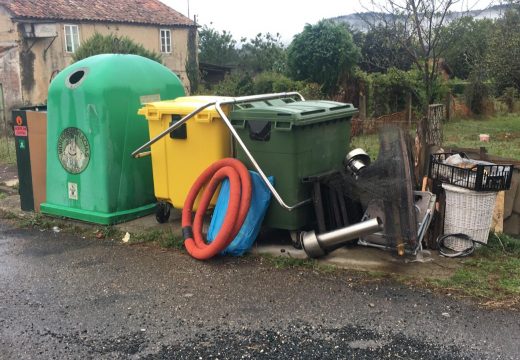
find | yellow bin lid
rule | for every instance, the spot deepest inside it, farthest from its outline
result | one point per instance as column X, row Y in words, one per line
column 154, row 111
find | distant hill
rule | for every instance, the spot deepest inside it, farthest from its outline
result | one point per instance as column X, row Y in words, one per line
column 357, row 22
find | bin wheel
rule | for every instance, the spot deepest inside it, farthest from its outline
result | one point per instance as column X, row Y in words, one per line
column 162, row 212
column 296, row 239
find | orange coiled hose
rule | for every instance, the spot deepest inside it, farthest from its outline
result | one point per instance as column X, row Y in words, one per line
column 238, row 207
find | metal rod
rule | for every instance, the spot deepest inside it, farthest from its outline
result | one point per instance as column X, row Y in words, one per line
column 172, row 128
column 248, row 98
column 318, row 206
column 236, row 100
column 343, row 208
column 143, row 154
column 218, row 107
column 424, row 225
column 253, row 161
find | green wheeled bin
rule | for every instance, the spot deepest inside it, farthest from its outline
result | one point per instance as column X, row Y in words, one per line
column 292, row 140
column 92, row 128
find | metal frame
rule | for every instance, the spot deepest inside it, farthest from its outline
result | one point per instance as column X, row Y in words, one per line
column 218, row 106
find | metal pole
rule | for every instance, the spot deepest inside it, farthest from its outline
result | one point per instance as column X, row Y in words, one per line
column 170, row 129
column 223, row 102
column 218, row 107
column 255, row 164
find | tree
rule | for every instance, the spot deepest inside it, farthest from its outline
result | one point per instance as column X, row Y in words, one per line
column 416, row 26
column 192, row 68
column 379, row 52
column 112, row 44
column 469, row 45
column 217, row 48
column 323, row 53
column 263, row 53
column 504, row 51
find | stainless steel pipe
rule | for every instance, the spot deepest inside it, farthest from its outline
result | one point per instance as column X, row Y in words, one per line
column 319, row 245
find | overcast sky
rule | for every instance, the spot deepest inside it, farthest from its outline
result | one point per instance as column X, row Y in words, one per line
column 245, row 18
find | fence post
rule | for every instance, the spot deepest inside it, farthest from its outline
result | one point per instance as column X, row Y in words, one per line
column 448, row 106
column 409, row 109
column 362, row 106
column 434, row 135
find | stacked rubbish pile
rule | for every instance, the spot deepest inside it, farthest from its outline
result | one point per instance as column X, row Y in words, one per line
column 264, row 161
column 272, row 161
column 286, row 169
column 469, row 189
column 278, row 141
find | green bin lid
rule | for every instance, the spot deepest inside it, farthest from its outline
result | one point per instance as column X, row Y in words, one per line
column 285, row 115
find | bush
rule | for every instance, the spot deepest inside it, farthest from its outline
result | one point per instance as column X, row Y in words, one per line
column 311, row 91
column 457, row 86
column 387, row 92
column 112, row 44
column 237, row 83
column 272, row 82
column 240, row 83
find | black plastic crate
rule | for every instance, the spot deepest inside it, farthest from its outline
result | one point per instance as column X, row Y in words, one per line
column 479, row 177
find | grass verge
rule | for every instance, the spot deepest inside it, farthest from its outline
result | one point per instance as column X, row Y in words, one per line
column 491, row 275
column 163, row 238
column 286, row 262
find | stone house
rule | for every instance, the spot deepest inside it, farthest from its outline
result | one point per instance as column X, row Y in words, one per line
column 38, row 39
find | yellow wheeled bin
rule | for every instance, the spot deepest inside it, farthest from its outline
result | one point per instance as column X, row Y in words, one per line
column 180, row 157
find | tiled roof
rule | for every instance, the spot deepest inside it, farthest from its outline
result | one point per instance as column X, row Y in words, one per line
column 116, row 11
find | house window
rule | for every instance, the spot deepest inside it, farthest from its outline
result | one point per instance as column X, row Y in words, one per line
column 166, row 41
column 71, row 38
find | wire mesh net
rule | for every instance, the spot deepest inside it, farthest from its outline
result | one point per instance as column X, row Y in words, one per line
column 386, row 185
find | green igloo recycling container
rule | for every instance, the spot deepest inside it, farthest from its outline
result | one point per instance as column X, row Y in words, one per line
column 93, row 127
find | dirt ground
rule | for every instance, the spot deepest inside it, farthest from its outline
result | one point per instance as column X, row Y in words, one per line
column 8, row 172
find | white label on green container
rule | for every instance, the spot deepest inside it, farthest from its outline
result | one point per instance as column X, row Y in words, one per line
column 73, row 191
column 149, row 98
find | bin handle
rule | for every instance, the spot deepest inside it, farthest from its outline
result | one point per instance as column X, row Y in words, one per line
column 283, row 125
column 218, row 107
column 241, row 124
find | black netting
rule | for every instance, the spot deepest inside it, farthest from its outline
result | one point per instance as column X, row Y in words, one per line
column 386, row 185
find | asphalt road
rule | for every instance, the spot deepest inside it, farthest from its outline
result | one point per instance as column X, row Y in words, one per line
column 64, row 297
